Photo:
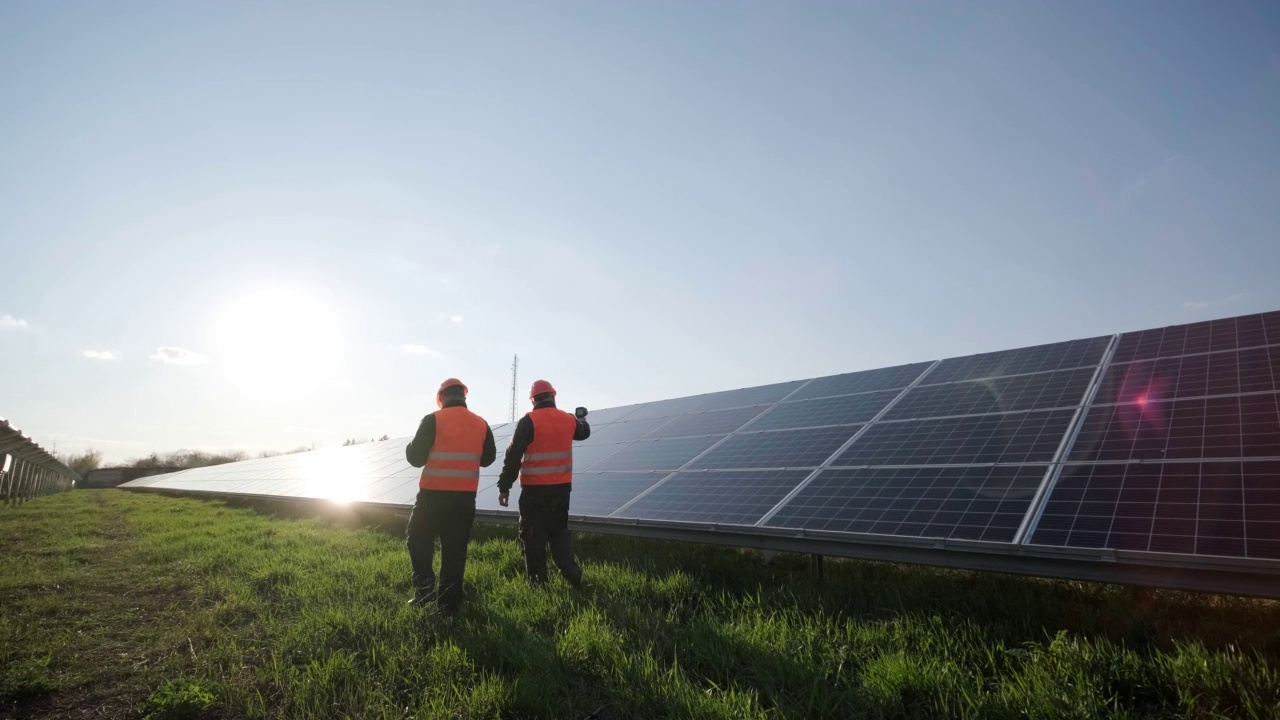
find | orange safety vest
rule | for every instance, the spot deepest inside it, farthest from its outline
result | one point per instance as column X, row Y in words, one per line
column 549, row 458
column 454, row 460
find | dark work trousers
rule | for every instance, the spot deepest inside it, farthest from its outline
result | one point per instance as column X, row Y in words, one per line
column 544, row 518
column 447, row 515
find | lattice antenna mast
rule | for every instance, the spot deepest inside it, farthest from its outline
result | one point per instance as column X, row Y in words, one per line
column 515, row 366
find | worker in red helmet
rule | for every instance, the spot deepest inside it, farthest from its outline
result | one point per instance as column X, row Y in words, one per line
column 541, row 454
column 451, row 446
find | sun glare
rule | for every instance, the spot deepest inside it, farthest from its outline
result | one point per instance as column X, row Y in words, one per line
column 279, row 341
column 335, row 474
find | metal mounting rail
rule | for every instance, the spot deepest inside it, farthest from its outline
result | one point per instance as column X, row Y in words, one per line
column 1035, row 509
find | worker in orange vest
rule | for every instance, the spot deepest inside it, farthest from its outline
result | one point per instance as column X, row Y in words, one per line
column 541, row 453
column 451, row 446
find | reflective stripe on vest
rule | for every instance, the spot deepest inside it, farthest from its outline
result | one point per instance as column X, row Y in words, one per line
column 454, row 460
column 549, row 458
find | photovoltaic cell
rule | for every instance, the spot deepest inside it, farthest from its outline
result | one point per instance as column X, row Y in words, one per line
column 1222, row 427
column 1041, row 358
column 715, row 422
column 1060, row 389
column 776, row 449
column 761, row 395
column 892, row 378
column 1222, row 373
column 1030, row 437
column 729, row 498
column 656, row 454
column 973, row 503
column 599, row 494
column 1210, row 508
column 844, row 410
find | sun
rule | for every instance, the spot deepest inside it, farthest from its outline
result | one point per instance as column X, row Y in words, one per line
column 279, row 341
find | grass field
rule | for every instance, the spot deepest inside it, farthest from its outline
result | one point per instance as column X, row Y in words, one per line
column 124, row 605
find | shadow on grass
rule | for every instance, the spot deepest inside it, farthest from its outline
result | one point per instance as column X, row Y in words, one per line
column 1012, row 609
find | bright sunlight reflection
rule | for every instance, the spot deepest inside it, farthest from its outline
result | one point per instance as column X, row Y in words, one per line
column 335, row 474
column 279, row 341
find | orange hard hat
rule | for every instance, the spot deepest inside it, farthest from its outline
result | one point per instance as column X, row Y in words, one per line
column 541, row 387
column 448, row 383
column 452, row 382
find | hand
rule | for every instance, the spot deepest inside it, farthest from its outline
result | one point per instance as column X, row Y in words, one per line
column 503, row 499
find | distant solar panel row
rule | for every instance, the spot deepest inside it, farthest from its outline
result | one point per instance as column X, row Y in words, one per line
column 1152, row 443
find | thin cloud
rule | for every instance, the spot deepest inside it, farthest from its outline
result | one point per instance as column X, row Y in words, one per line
column 1204, row 304
column 421, row 350
column 99, row 354
column 9, row 322
column 1153, row 171
column 178, row 356
column 455, row 319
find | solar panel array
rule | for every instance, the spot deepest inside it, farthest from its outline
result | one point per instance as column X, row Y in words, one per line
column 1180, row 450
column 1162, row 441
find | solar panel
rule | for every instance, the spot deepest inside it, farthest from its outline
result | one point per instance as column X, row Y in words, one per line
column 775, row 449
column 657, row 454
column 979, row 503
column 732, row 498
column 600, row 494
column 892, row 378
column 844, row 410
column 1041, row 358
column 1178, row 452
column 1201, row 508
column 1118, row 457
column 608, row 415
column 1023, row 392
column 584, row 456
column 1220, row 373
column 762, row 395
column 1226, row 334
column 714, row 422
column 1025, row 437
column 665, row 408
column 625, row 430
column 1220, row 427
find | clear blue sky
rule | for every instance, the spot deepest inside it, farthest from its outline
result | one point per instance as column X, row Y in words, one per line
column 642, row 200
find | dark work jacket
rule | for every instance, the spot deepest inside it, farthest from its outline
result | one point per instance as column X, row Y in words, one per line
column 520, row 442
column 418, row 449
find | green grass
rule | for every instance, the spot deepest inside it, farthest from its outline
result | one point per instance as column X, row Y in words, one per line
column 125, row 605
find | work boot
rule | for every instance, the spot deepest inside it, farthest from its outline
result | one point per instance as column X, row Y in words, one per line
column 422, row 596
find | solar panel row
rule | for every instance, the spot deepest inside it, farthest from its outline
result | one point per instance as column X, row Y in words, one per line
column 1178, row 451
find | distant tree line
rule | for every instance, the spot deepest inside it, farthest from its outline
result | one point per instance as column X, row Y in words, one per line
column 82, row 463
column 357, row 441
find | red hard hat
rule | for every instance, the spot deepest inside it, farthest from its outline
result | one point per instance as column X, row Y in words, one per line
column 541, row 387
column 452, row 382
